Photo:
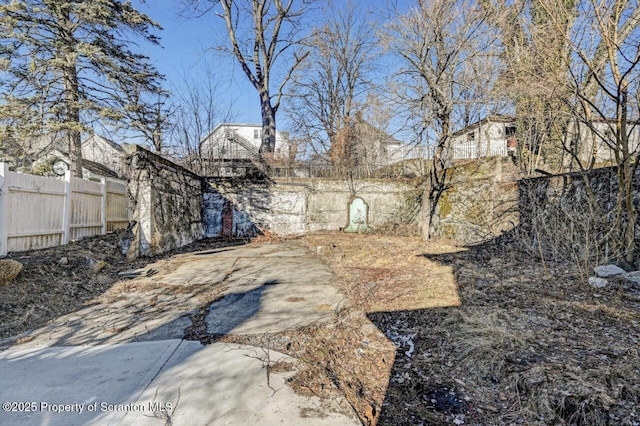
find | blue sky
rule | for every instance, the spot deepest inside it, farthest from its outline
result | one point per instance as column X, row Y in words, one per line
column 187, row 51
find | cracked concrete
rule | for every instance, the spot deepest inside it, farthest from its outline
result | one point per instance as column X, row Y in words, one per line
column 130, row 354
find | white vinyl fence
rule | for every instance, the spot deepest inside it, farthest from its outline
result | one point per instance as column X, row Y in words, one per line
column 38, row 212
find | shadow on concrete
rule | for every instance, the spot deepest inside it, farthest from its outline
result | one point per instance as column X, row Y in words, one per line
column 205, row 253
column 37, row 298
column 221, row 317
column 102, row 372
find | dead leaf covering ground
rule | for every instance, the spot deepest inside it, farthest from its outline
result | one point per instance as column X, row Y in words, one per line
column 475, row 336
column 490, row 336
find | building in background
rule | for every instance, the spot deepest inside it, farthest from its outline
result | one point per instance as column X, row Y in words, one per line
column 485, row 138
column 232, row 148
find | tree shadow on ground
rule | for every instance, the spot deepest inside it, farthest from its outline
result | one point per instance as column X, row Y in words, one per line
column 167, row 377
column 59, row 281
column 531, row 342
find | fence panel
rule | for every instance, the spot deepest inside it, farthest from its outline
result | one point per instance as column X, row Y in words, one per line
column 465, row 150
column 38, row 212
column 470, row 150
column 86, row 209
column 32, row 212
column 117, row 208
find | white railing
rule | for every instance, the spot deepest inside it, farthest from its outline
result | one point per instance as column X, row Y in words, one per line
column 458, row 151
column 407, row 152
column 467, row 150
column 39, row 212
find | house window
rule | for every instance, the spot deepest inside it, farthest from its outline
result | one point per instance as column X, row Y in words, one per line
column 471, row 136
column 509, row 131
column 257, row 133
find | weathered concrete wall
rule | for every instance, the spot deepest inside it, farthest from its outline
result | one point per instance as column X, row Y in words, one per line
column 479, row 202
column 167, row 203
column 288, row 207
column 172, row 206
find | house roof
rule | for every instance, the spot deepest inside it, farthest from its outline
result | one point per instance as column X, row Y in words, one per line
column 92, row 166
column 108, row 141
column 99, row 169
column 43, row 144
column 215, row 129
column 496, row 118
column 363, row 127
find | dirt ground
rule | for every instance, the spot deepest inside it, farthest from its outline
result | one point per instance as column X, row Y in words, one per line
column 491, row 337
column 430, row 333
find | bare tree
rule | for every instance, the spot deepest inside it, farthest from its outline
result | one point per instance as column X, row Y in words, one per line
column 604, row 77
column 535, row 78
column 572, row 70
column 151, row 116
column 264, row 37
column 198, row 107
column 329, row 90
column 443, row 48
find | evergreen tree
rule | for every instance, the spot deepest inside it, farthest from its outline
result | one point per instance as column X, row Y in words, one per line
column 66, row 64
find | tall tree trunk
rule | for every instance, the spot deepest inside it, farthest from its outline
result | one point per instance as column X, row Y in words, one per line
column 268, row 144
column 71, row 94
column 627, row 177
column 73, row 117
column 438, row 174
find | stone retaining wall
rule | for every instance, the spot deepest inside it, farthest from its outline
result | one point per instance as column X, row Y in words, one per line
column 559, row 218
column 480, row 201
column 172, row 206
column 298, row 206
column 550, row 214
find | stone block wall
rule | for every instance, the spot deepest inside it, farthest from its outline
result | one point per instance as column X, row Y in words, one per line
column 480, row 201
column 574, row 216
column 551, row 216
column 166, row 203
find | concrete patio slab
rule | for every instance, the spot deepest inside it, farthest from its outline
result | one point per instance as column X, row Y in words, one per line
column 224, row 384
column 72, row 378
column 122, row 359
column 153, row 383
column 273, row 308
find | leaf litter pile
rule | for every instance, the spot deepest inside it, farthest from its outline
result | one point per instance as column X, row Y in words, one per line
column 430, row 332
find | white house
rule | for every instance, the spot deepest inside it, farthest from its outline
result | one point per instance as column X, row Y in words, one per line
column 232, row 141
column 56, row 163
column 101, row 155
column 484, row 138
column 594, row 141
column 106, row 152
column 488, row 137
